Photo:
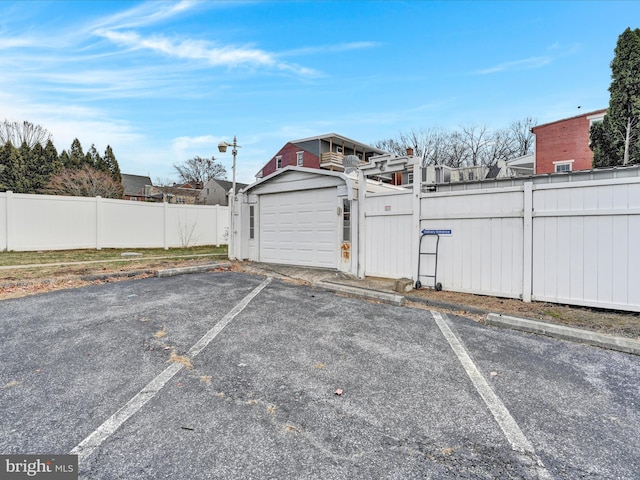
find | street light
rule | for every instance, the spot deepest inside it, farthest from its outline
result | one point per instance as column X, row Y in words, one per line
column 222, row 148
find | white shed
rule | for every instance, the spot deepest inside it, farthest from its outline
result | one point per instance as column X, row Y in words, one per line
column 299, row 216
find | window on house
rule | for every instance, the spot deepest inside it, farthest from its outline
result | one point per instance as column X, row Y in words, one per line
column 410, row 178
column 299, row 158
column 252, row 220
column 279, row 161
column 346, row 220
column 563, row 167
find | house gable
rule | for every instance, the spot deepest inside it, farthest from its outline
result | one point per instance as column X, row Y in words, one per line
column 288, row 156
column 216, row 191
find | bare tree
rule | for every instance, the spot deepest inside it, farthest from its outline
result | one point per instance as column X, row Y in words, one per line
column 197, row 171
column 432, row 145
column 26, row 132
column 501, row 146
column 475, row 139
column 472, row 145
column 391, row 145
column 458, row 151
column 84, row 182
column 522, row 135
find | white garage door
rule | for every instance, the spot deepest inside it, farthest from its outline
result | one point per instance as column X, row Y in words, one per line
column 300, row 228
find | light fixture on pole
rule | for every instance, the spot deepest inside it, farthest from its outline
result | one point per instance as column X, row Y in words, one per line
column 222, row 148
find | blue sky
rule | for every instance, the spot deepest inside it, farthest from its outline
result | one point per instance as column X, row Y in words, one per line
column 162, row 82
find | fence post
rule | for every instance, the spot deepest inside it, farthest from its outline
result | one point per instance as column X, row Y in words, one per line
column 9, row 220
column 216, row 234
column 362, row 227
column 165, row 226
column 98, row 222
column 416, row 205
column 527, row 239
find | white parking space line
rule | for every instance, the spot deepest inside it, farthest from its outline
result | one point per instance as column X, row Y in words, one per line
column 104, row 431
column 507, row 423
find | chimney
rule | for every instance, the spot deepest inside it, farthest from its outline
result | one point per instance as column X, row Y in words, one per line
column 409, row 152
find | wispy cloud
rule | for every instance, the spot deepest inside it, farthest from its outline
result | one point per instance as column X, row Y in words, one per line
column 17, row 42
column 340, row 47
column 214, row 55
column 145, row 14
column 525, row 64
column 124, row 30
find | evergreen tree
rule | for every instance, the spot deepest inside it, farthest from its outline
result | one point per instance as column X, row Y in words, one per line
column 35, row 168
column 616, row 140
column 51, row 158
column 40, row 164
column 112, row 164
column 65, row 160
column 93, row 159
column 12, row 169
column 77, row 158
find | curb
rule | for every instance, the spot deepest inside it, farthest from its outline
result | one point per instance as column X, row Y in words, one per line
column 449, row 306
column 170, row 272
column 392, row 298
column 626, row 345
column 107, row 276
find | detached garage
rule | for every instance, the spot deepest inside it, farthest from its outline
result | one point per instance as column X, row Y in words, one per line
column 298, row 216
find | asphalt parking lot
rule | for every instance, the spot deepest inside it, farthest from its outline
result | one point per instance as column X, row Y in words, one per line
column 232, row 375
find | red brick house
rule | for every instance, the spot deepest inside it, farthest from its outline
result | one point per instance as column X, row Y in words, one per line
column 324, row 151
column 563, row 145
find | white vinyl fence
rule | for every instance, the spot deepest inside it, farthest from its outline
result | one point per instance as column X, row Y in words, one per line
column 556, row 239
column 484, row 252
column 47, row 222
column 389, row 235
column 586, row 243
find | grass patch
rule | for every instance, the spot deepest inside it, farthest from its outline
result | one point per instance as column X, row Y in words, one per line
column 87, row 255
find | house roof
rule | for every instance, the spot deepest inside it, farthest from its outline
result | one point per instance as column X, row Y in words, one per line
column 340, row 139
column 227, row 185
column 494, row 171
column 587, row 114
column 134, row 184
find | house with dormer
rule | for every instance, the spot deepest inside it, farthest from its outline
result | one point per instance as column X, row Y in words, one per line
column 325, row 152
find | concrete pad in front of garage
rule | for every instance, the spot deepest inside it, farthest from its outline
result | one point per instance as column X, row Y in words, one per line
column 260, row 400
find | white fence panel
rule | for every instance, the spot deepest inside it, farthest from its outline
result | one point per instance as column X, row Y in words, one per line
column 3, row 222
column 585, row 238
column 388, row 235
column 484, row 252
column 140, row 226
column 195, row 225
column 47, row 222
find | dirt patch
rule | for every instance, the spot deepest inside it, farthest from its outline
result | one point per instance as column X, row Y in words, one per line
column 175, row 358
column 29, row 281
column 617, row 323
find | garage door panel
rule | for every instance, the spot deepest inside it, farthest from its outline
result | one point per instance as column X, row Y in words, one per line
column 299, row 228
